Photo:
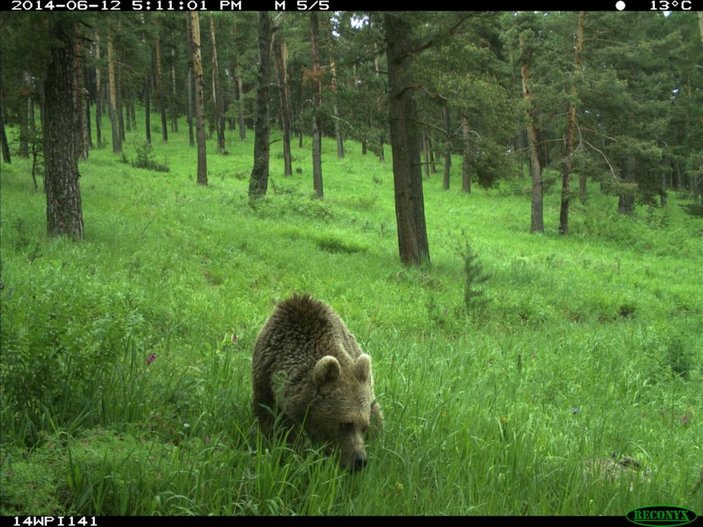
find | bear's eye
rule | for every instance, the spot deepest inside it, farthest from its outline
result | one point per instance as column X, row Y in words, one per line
column 346, row 427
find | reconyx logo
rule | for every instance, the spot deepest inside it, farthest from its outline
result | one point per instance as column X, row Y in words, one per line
column 661, row 516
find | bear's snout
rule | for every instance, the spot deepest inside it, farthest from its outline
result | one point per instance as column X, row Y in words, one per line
column 359, row 461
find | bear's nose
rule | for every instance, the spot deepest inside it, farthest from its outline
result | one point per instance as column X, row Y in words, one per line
column 359, row 461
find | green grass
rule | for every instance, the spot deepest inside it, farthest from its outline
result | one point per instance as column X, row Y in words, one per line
column 125, row 370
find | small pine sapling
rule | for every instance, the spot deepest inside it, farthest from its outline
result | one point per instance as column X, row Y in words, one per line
column 474, row 276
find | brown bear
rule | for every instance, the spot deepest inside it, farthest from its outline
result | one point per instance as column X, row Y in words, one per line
column 308, row 367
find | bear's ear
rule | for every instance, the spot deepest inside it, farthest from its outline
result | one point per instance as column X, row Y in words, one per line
column 326, row 370
column 362, row 367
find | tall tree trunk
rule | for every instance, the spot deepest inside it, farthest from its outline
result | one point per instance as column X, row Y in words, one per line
column 112, row 90
column 174, row 93
column 6, row 157
column 280, row 60
column 132, row 111
column 199, row 96
column 466, row 158
column 571, row 131
column 301, row 105
column 4, row 146
column 536, row 216
column 356, row 83
column 663, row 198
column 626, row 194
column 447, row 147
column 675, row 175
column 159, row 87
column 258, row 182
column 335, row 108
column 79, row 126
column 236, row 71
column 316, row 104
column 240, row 102
column 405, row 143
column 36, row 146
column 26, row 92
column 128, row 111
column 189, row 106
column 120, row 112
column 87, row 103
column 379, row 109
column 218, row 100
column 98, row 92
column 31, row 118
column 147, row 107
column 64, row 214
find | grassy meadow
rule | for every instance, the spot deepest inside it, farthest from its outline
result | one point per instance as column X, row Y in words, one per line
column 574, row 388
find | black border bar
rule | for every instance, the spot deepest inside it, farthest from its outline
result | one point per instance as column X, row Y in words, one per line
column 346, row 5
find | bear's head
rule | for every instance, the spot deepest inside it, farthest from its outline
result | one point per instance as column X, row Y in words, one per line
column 343, row 408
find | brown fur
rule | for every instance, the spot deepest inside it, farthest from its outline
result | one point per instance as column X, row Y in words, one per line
column 308, row 366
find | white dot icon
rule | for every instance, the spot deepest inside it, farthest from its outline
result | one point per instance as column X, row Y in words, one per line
column 619, row 5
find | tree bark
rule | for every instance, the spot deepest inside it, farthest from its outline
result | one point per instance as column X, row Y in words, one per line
column 280, row 60
column 98, row 92
column 199, row 96
column 189, row 105
column 4, row 145
column 159, row 85
column 301, row 105
column 240, row 102
column 663, row 198
column 379, row 110
column 87, row 103
column 147, row 108
column 118, row 99
column 80, row 130
column 133, row 110
column 626, row 194
column 6, row 157
column 63, row 198
column 466, row 159
column 238, row 90
column 536, row 216
column 112, row 90
column 335, row 109
column 405, row 143
column 218, row 100
column 36, row 146
column 364, row 137
column 22, row 115
column 174, row 93
column 128, row 107
column 258, row 183
column 32, row 124
column 447, row 147
column 567, row 165
column 316, row 110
